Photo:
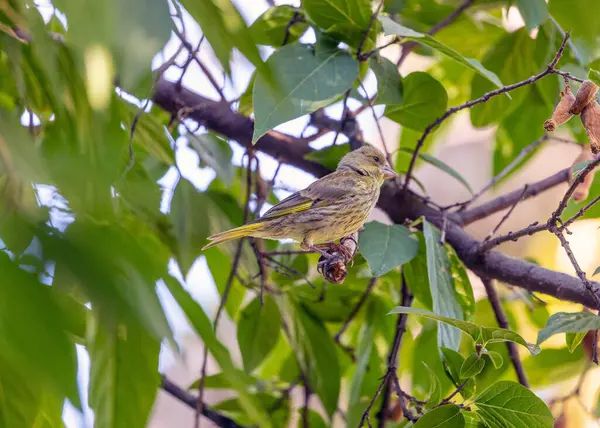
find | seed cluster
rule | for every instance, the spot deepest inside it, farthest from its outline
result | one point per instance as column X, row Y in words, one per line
column 585, row 105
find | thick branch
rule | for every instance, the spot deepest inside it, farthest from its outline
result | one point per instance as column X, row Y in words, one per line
column 187, row 398
column 219, row 117
column 402, row 205
column 398, row 204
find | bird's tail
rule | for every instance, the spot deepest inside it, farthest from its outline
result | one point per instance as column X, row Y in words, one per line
column 238, row 232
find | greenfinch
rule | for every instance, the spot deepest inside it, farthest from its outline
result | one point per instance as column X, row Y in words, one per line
column 331, row 208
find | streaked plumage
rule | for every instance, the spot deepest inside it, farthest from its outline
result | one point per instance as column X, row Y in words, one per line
column 332, row 207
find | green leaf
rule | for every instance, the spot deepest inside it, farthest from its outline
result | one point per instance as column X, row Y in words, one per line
column 225, row 29
column 478, row 333
column 453, row 362
column 389, row 82
column 386, row 246
column 515, row 131
column 364, row 349
column 329, row 156
column 20, row 398
column 597, row 271
column 441, row 165
column 425, row 100
column 594, row 76
column 441, row 286
column 308, row 79
column 203, row 327
column 574, row 339
column 134, row 31
column 578, row 167
column 448, row 416
column 258, row 331
column 563, row 322
column 220, row 265
column 581, row 18
column 245, row 106
column 462, row 284
column 515, row 57
column 214, row 152
column 270, row 28
column 495, row 358
column 534, row 12
column 393, row 28
column 116, row 266
column 318, row 358
column 328, row 13
column 219, row 381
column 416, row 276
column 435, row 388
column 552, row 366
column 195, row 216
column 315, row 420
column 32, row 334
column 472, row 366
column 124, row 376
column 511, row 404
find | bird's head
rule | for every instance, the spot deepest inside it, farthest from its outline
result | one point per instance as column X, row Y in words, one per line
column 368, row 160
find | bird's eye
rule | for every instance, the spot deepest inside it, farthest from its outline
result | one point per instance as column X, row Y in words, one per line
column 376, row 159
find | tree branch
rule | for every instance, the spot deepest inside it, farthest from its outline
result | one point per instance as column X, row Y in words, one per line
column 502, row 319
column 398, row 204
column 484, row 98
column 188, row 399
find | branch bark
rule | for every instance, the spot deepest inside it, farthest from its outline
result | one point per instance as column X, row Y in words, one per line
column 398, row 204
column 190, row 400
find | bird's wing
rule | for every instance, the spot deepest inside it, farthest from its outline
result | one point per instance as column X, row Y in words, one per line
column 322, row 192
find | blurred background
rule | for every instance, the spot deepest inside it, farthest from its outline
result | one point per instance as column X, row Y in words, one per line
column 460, row 145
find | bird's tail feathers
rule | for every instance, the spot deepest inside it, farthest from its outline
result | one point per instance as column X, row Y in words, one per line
column 238, row 232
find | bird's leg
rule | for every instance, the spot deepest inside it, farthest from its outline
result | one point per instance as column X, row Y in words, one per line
column 347, row 253
column 308, row 245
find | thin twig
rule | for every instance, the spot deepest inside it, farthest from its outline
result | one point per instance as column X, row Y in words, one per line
column 456, row 391
column 532, row 229
column 228, row 285
column 579, row 178
column 203, row 67
column 580, row 273
column 502, row 319
column 512, row 165
column 401, row 320
column 345, row 112
column 505, row 201
column 296, row 17
column 504, row 218
column 484, row 98
column 580, row 213
column 363, row 299
column 379, row 130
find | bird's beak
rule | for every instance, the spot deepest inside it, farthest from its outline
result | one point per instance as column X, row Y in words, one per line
column 388, row 173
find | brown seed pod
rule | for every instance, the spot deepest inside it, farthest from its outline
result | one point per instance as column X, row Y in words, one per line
column 590, row 117
column 585, row 94
column 582, row 190
column 561, row 113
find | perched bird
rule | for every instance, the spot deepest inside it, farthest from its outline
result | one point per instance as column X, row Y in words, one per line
column 332, row 207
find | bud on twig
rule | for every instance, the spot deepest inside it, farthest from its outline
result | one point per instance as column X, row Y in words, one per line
column 585, row 94
column 561, row 113
column 582, row 191
column 590, row 117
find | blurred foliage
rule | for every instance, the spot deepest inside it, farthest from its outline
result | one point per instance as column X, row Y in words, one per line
column 87, row 232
